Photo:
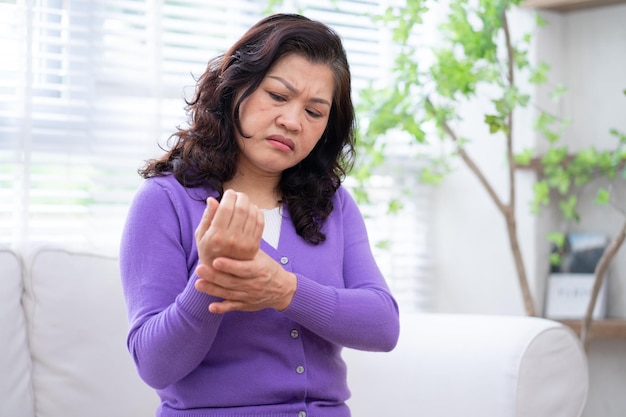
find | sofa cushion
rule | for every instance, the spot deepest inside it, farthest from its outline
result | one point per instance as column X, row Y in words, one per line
column 77, row 331
column 472, row 366
column 16, row 397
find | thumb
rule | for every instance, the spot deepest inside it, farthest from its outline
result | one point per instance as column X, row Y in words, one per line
column 207, row 217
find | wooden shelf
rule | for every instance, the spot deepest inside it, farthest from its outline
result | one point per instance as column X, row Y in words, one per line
column 567, row 5
column 601, row 329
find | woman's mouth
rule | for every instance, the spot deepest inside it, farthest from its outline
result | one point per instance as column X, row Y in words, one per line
column 281, row 143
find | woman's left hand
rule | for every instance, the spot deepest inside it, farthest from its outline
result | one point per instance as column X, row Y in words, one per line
column 247, row 285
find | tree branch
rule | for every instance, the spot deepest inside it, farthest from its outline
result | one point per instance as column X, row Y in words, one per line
column 507, row 211
column 509, row 48
column 509, row 132
column 601, row 269
column 467, row 159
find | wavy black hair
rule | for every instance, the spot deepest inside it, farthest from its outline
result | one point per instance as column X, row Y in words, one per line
column 205, row 154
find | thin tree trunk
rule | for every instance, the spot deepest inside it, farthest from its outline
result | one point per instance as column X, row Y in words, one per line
column 507, row 210
column 511, row 226
column 601, row 269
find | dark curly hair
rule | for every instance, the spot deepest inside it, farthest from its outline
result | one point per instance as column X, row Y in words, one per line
column 205, row 154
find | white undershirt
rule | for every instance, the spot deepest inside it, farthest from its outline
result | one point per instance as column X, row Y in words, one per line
column 273, row 220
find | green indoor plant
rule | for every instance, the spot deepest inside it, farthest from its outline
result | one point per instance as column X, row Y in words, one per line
column 476, row 53
column 422, row 98
column 562, row 177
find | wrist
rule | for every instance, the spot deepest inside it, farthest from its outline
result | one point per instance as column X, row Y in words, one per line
column 291, row 284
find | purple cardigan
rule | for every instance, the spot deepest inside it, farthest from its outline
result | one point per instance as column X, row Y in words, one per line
column 262, row 364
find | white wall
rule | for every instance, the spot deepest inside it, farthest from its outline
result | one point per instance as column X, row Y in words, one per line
column 474, row 271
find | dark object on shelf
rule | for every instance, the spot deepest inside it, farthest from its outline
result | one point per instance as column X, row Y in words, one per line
column 581, row 253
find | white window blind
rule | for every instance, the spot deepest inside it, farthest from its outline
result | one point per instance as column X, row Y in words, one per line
column 90, row 88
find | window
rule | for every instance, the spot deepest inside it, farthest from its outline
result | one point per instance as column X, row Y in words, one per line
column 89, row 89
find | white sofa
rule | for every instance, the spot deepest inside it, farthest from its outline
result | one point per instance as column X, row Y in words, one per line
column 63, row 354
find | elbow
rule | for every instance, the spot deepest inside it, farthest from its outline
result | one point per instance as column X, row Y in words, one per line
column 385, row 336
column 390, row 330
column 392, row 334
column 152, row 379
column 391, row 338
column 389, row 346
column 151, row 372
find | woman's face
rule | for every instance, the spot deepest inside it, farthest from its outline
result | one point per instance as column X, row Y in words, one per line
column 285, row 116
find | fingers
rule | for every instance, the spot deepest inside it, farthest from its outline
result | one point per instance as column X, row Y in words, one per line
column 228, row 278
column 226, row 306
column 221, row 286
column 260, row 225
column 247, row 285
column 207, row 217
column 225, row 211
column 233, row 228
column 237, row 213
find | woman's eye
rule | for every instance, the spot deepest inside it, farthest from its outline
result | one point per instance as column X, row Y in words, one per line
column 314, row 114
column 276, row 97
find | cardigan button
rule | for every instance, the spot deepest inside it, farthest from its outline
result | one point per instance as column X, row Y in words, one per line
column 300, row 369
column 284, row 260
column 294, row 334
column 302, row 414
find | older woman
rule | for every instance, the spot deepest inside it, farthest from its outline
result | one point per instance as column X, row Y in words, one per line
column 245, row 263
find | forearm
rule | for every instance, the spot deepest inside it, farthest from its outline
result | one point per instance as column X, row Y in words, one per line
column 247, row 285
column 360, row 318
column 168, row 345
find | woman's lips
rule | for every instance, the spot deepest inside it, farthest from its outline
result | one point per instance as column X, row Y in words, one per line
column 281, row 142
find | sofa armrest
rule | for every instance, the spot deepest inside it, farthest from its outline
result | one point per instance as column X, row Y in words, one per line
column 16, row 397
column 77, row 327
column 472, row 365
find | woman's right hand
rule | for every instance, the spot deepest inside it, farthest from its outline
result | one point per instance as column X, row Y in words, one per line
column 231, row 228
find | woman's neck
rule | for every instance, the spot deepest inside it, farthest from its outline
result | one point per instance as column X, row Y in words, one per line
column 263, row 192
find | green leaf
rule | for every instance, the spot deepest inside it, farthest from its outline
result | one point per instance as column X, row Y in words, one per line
column 541, row 198
column 561, row 181
column 521, row 57
column 603, row 196
column 510, row 100
column 554, row 156
column 555, row 259
column 544, row 124
column 360, row 195
column 539, row 75
column 453, row 75
column 540, row 21
column 568, row 208
column 413, row 126
column 429, row 176
column 619, row 135
column 383, row 244
column 394, row 206
column 524, row 158
column 557, row 238
column 558, row 92
column 495, row 123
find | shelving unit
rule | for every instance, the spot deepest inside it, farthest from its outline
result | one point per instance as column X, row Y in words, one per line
column 601, row 329
column 567, row 5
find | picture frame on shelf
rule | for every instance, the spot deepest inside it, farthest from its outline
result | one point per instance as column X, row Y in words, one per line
column 570, row 283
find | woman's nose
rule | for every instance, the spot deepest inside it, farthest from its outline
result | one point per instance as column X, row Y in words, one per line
column 289, row 119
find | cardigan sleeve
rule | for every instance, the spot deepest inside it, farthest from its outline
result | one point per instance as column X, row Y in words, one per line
column 364, row 314
column 171, row 329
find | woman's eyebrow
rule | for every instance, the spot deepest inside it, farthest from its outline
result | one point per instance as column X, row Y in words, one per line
column 294, row 90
